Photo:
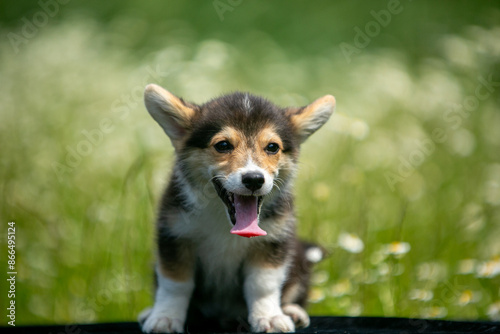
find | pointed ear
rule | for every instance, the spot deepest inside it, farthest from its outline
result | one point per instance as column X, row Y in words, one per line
column 173, row 115
column 310, row 118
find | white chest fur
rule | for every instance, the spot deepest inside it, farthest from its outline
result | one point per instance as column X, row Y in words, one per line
column 219, row 252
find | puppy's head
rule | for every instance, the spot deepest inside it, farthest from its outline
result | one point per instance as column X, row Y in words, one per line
column 243, row 145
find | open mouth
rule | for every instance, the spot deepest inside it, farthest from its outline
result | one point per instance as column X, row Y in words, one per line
column 243, row 211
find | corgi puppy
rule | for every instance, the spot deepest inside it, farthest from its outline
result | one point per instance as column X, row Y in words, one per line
column 227, row 249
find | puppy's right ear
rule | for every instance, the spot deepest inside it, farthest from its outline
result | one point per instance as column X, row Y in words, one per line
column 173, row 115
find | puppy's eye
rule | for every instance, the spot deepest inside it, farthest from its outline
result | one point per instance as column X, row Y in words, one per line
column 223, row 146
column 272, row 148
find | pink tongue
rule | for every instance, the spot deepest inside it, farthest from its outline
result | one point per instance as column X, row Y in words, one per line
column 247, row 222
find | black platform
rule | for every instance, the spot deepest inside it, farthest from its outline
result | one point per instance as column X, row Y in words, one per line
column 338, row 325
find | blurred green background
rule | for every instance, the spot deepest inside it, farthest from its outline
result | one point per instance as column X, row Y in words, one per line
column 402, row 186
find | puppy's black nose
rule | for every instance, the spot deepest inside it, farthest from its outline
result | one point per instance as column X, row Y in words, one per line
column 253, row 180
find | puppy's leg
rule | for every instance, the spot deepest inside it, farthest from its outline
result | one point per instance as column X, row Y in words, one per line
column 171, row 303
column 263, row 296
column 175, row 285
column 295, row 290
column 265, row 275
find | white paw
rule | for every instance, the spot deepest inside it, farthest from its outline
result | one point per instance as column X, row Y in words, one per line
column 278, row 324
column 141, row 318
column 298, row 315
column 162, row 322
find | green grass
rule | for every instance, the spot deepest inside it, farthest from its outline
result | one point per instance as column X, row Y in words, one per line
column 84, row 230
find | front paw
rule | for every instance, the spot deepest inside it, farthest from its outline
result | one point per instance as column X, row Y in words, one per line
column 278, row 324
column 163, row 322
column 298, row 315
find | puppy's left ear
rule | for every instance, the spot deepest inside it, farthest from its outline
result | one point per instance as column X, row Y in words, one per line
column 310, row 118
column 172, row 113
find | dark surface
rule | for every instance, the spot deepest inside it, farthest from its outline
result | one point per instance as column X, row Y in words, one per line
column 318, row 325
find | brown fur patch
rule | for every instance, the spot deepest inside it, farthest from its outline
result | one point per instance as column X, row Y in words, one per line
column 231, row 161
column 269, row 162
column 271, row 254
column 176, row 258
column 296, row 287
column 246, row 148
column 292, row 292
